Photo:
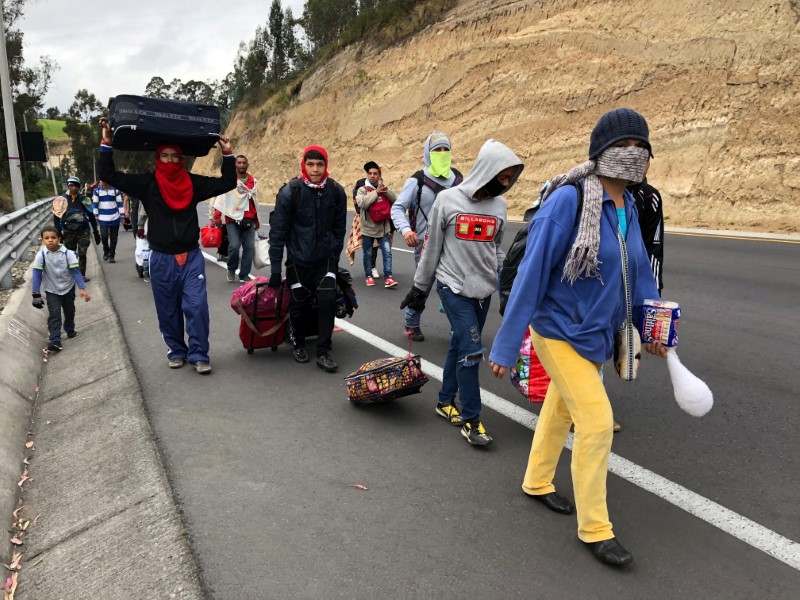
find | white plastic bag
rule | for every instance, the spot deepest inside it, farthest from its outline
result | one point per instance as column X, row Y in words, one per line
column 142, row 251
column 261, row 253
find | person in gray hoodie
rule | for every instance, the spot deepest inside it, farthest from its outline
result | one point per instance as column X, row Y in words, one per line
column 415, row 202
column 463, row 254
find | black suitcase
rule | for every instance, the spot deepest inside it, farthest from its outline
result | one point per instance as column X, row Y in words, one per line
column 141, row 123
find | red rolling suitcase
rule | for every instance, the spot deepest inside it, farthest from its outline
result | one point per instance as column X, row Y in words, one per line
column 265, row 326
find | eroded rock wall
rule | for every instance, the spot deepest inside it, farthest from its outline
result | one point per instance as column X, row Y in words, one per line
column 717, row 82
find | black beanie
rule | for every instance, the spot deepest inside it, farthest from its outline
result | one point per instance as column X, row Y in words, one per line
column 618, row 124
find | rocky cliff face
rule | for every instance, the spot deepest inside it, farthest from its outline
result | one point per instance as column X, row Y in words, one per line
column 717, row 82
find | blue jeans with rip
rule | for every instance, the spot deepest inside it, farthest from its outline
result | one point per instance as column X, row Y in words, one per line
column 467, row 317
column 386, row 250
column 244, row 239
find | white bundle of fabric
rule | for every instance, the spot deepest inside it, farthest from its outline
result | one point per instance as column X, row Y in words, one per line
column 691, row 392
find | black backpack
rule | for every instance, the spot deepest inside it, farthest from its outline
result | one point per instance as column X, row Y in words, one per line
column 517, row 249
column 435, row 187
column 75, row 217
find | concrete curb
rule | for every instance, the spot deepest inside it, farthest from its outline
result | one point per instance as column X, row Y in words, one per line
column 21, row 360
column 109, row 527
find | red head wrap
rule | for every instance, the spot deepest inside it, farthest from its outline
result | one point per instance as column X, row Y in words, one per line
column 173, row 181
column 322, row 151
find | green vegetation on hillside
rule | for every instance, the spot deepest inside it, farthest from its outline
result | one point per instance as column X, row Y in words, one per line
column 53, row 129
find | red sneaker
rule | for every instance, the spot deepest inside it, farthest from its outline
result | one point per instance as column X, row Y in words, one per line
column 370, row 282
column 389, row 282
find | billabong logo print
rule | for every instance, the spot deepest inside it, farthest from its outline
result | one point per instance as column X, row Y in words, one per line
column 476, row 228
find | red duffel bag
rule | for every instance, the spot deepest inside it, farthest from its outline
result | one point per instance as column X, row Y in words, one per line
column 210, row 237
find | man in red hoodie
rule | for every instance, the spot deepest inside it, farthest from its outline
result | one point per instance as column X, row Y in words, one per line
column 177, row 267
column 309, row 223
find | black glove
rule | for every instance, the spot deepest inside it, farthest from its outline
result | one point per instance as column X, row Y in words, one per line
column 97, row 238
column 38, row 301
column 415, row 299
column 275, row 280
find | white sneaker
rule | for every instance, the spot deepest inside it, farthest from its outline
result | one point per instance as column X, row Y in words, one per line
column 375, row 273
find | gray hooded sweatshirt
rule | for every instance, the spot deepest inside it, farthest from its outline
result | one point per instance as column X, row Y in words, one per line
column 407, row 199
column 464, row 235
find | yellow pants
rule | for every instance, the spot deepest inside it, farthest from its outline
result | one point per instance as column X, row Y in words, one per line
column 576, row 395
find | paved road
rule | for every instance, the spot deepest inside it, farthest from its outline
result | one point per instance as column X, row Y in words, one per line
column 262, row 455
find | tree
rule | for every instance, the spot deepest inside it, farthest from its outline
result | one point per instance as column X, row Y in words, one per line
column 85, row 106
column 158, row 88
column 325, row 20
column 28, row 84
column 52, row 113
column 195, row 91
column 279, row 65
column 256, row 62
column 84, row 132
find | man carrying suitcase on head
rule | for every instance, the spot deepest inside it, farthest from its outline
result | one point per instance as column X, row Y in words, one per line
column 177, row 267
column 309, row 220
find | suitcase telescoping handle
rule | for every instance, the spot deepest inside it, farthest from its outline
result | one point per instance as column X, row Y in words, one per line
column 249, row 322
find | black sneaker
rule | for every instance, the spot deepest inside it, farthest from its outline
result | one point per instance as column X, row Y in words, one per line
column 57, row 347
column 449, row 412
column 111, row 259
column 415, row 333
column 326, row 362
column 87, row 279
column 105, row 255
column 300, row 355
column 476, row 434
column 72, row 334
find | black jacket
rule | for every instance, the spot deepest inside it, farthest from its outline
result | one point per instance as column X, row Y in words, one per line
column 651, row 222
column 169, row 231
column 312, row 229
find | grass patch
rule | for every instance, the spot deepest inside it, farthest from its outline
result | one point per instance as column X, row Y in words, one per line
column 52, row 129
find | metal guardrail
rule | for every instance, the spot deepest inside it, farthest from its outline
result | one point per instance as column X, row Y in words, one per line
column 17, row 231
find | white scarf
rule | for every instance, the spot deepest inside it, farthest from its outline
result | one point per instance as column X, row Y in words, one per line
column 235, row 203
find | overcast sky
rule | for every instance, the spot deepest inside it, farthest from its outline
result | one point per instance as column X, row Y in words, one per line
column 112, row 47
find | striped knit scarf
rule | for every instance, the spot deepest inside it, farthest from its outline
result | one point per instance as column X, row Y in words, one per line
column 619, row 163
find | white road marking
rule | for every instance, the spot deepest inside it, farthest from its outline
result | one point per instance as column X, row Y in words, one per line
column 739, row 526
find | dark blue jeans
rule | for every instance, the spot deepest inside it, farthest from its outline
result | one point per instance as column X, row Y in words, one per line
column 414, row 316
column 244, row 239
column 466, row 316
column 55, row 304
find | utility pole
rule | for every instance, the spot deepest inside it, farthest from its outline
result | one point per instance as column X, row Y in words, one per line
column 49, row 164
column 11, row 129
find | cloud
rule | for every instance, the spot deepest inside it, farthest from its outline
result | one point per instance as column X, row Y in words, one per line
column 109, row 48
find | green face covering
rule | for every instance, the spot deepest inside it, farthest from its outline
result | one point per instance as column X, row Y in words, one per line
column 440, row 164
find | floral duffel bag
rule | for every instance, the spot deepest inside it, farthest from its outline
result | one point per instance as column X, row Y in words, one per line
column 385, row 379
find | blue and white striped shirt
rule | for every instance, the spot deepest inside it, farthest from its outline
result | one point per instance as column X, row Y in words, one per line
column 108, row 206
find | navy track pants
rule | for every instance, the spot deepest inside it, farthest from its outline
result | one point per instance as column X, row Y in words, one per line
column 181, row 298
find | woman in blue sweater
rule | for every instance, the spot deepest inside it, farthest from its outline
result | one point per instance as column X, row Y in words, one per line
column 569, row 288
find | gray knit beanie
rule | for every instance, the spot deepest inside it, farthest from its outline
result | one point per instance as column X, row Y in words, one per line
column 618, row 124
